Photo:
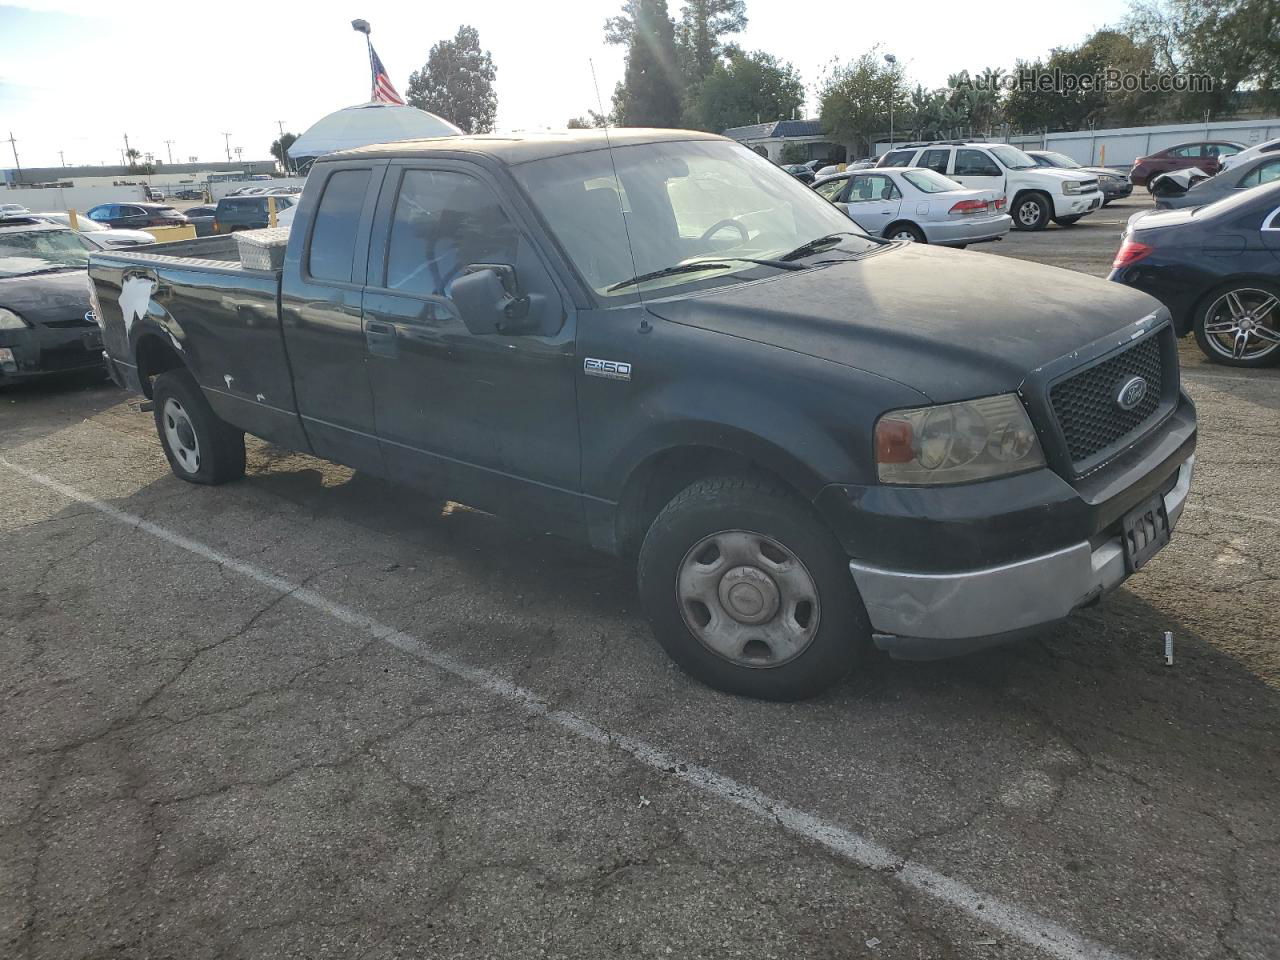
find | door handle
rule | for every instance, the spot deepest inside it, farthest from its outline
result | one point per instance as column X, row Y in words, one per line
column 380, row 338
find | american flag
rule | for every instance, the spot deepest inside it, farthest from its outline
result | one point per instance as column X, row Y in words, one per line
column 383, row 90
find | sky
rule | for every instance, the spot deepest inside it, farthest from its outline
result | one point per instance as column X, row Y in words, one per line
column 77, row 75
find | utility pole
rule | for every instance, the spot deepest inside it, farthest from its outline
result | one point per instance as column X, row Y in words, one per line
column 284, row 154
column 169, row 146
column 14, row 144
column 62, row 159
column 128, row 155
column 227, row 136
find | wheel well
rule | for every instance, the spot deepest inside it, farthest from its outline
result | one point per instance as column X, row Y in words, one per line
column 155, row 356
column 1022, row 193
column 902, row 223
column 654, row 482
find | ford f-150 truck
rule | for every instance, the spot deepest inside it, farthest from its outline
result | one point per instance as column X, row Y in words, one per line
column 656, row 342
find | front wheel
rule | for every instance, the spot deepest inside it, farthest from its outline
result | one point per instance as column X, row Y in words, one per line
column 1068, row 221
column 1239, row 325
column 1032, row 212
column 200, row 447
column 749, row 592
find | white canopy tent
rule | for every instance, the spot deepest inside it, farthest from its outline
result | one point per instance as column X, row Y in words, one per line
column 367, row 123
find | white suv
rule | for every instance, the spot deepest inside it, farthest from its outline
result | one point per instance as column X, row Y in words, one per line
column 1036, row 194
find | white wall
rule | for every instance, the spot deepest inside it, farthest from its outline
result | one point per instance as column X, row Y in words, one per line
column 68, row 198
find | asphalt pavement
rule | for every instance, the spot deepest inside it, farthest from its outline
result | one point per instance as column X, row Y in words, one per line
column 313, row 714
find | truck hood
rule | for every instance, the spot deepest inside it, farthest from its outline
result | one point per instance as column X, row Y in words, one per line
column 1053, row 173
column 47, row 296
column 951, row 324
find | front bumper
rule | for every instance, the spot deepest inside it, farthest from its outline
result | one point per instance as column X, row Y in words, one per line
column 1115, row 189
column 40, row 350
column 1076, row 205
column 978, row 230
column 924, row 616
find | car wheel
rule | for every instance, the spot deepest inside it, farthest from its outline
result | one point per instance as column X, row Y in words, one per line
column 1031, row 212
column 749, row 592
column 1239, row 325
column 905, row 231
column 1068, row 221
column 200, row 447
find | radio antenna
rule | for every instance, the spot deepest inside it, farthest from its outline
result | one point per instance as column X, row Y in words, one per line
column 645, row 326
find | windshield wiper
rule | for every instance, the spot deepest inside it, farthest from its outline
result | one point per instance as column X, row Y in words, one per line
column 693, row 266
column 816, row 244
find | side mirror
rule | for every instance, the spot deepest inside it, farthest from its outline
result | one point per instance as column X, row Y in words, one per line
column 485, row 296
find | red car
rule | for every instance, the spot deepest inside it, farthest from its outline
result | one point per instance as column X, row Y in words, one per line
column 1205, row 155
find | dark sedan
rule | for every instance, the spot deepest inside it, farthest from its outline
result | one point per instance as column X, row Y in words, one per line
column 46, row 323
column 1217, row 269
column 136, row 216
column 1256, row 172
column 1204, row 155
column 202, row 218
column 1113, row 184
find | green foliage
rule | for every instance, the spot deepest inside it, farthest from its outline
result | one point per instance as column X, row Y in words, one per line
column 794, row 153
column 457, row 83
column 854, row 98
column 280, row 148
column 649, row 94
column 745, row 88
column 577, row 123
column 699, row 35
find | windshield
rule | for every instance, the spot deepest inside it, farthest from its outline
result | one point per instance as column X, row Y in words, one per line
column 683, row 200
column 1012, row 157
column 926, row 181
column 39, row 251
column 1060, row 160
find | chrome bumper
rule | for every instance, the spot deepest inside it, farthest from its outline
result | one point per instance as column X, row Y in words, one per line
column 938, row 614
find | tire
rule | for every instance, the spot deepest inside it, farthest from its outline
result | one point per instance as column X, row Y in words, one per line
column 905, row 231
column 1069, row 221
column 200, row 447
column 742, row 534
column 1031, row 211
column 1218, row 327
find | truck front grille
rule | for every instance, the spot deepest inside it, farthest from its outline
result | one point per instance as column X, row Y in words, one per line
column 1086, row 407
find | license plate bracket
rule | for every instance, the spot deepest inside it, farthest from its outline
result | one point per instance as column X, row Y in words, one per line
column 1144, row 530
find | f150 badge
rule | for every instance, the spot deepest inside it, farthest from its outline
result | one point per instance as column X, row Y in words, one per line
column 609, row 369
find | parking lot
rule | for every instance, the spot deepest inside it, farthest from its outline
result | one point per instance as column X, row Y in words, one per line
column 313, row 714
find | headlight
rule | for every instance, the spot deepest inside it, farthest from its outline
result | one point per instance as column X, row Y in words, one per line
column 11, row 321
column 1071, row 187
column 957, row 442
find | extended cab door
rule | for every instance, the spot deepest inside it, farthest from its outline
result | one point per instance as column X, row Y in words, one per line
column 977, row 169
column 482, row 417
column 320, row 301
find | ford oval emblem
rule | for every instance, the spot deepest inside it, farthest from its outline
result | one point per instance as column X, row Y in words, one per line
column 1131, row 393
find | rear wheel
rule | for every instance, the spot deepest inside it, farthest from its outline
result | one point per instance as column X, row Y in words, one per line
column 1068, row 221
column 1239, row 325
column 905, row 231
column 749, row 592
column 1031, row 211
column 199, row 446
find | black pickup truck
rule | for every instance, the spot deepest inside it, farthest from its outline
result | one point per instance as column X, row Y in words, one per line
column 662, row 345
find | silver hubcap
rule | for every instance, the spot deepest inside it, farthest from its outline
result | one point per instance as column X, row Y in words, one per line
column 904, row 235
column 181, row 436
column 1242, row 324
column 1029, row 213
column 748, row 598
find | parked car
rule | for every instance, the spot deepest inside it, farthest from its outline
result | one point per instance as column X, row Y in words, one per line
column 1207, row 155
column 189, row 193
column 1261, row 169
column 247, row 213
column 202, row 218
column 46, row 324
column 156, row 194
column 1113, row 184
column 1036, row 194
column 811, row 440
column 104, row 238
column 136, row 216
column 802, row 172
column 1267, row 147
column 866, row 163
column 1217, row 269
column 13, row 210
column 912, row 203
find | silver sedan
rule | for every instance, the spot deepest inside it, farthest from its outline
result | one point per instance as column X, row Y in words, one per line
column 914, row 203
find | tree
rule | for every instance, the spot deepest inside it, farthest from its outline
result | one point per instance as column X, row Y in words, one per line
column 794, row 153
column 578, row 123
column 745, row 88
column 649, row 94
column 280, row 148
column 854, row 98
column 699, row 35
column 457, row 83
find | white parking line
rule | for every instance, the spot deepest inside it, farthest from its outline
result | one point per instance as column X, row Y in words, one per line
column 1031, row 929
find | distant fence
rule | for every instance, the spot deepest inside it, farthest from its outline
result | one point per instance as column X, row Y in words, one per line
column 1120, row 146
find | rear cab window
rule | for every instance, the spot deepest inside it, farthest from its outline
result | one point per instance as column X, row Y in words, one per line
column 331, row 250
